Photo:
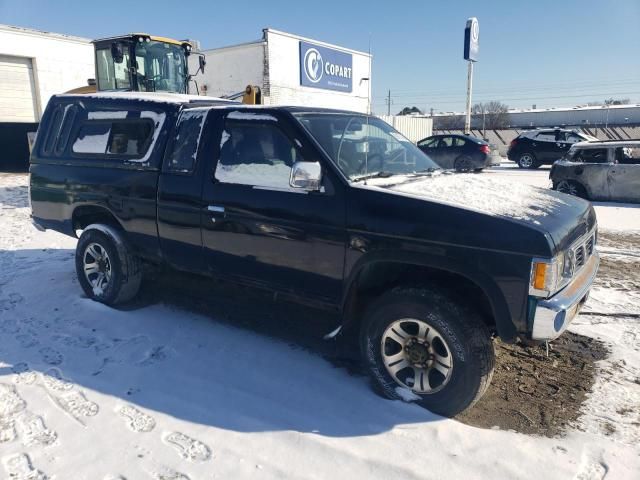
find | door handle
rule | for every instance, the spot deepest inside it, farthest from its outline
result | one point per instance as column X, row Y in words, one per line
column 215, row 208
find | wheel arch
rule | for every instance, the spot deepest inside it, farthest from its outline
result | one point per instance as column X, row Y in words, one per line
column 85, row 215
column 373, row 276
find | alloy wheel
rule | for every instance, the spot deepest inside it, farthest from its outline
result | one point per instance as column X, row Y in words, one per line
column 526, row 160
column 97, row 267
column 416, row 356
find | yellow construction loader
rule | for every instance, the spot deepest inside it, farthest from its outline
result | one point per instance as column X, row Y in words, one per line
column 140, row 62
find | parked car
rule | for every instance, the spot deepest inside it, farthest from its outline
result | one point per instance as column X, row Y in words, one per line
column 422, row 266
column 462, row 153
column 533, row 148
column 606, row 171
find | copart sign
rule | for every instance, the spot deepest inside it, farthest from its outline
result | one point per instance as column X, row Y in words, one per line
column 322, row 67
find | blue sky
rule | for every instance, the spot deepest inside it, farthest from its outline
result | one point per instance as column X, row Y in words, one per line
column 548, row 53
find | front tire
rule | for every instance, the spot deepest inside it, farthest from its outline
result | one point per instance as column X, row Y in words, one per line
column 419, row 345
column 107, row 271
column 528, row 160
column 571, row 188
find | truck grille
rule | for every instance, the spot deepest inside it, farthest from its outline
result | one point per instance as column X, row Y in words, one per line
column 583, row 249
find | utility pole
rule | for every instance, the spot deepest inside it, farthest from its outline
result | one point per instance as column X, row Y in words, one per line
column 389, row 103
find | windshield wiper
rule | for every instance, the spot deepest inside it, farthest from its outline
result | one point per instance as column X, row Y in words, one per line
column 382, row 174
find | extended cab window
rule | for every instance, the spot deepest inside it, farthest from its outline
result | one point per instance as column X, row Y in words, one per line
column 129, row 138
column 183, row 155
column 255, row 153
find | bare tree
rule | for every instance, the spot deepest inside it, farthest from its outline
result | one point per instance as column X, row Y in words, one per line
column 610, row 101
column 617, row 101
column 410, row 111
column 496, row 114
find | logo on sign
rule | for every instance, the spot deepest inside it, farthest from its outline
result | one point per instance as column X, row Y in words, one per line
column 471, row 33
column 474, row 31
column 313, row 65
column 324, row 67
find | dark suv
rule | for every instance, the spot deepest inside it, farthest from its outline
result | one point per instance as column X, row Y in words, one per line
column 332, row 208
column 533, row 148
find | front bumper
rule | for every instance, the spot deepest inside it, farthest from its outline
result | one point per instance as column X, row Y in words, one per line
column 553, row 315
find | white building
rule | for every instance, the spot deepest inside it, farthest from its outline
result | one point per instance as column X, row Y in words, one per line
column 35, row 65
column 290, row 70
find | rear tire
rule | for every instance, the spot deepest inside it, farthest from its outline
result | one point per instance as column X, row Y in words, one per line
column 107, row 271
column 527, row 160
column 446, row 347
column 463, row 164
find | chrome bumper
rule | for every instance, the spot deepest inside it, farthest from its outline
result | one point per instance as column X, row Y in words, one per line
column 553, row 315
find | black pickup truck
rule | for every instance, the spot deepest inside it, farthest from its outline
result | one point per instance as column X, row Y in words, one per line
column 331, row 208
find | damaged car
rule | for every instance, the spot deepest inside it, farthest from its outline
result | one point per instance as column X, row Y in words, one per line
column 600, row 171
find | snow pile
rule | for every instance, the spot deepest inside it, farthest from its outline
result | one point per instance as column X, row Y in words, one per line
column 483, row 194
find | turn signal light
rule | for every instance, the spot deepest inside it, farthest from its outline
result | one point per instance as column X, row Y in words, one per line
column 539, row 276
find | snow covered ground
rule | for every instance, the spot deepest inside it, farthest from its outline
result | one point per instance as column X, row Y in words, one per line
column 90, row 392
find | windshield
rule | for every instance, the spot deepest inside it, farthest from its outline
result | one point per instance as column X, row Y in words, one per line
column 363, row 146
column 160, row 67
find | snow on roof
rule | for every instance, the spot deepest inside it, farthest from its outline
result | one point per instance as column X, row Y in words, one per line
column 158, row 97
column 486, row 195
column 42, row 33
column 550, row 109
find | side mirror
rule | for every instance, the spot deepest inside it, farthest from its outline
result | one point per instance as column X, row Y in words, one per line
column 306, row 175
column 117, row 53
column 201, row 62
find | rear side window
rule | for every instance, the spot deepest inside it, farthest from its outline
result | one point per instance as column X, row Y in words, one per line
column 182, row 158
column 67, row 124
column 428, row 143
column 573, row 138
column 129, row 138
column 628, row 155
column 54, row 128
column 546, row 137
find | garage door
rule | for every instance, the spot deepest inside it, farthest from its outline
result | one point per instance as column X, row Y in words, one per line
column 17, row 90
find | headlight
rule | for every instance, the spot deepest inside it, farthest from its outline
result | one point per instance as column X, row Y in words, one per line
column 549, row 276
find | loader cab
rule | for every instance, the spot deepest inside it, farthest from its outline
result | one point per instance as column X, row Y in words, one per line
column 142, row 63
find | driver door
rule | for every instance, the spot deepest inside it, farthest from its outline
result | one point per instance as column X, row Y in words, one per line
column 255, row 227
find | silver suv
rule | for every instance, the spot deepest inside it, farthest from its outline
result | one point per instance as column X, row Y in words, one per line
column 605, row 171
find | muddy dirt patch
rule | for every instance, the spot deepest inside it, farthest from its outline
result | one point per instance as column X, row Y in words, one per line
column 535, row 394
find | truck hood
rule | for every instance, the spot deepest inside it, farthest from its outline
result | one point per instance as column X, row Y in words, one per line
column 563, row 217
